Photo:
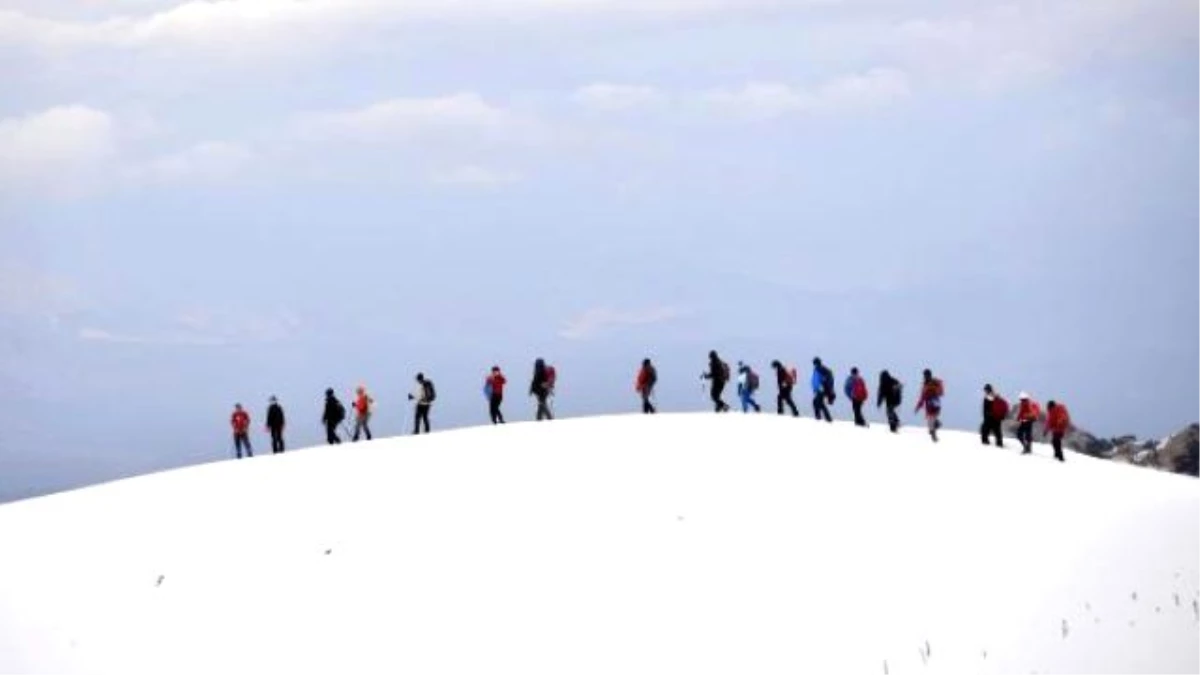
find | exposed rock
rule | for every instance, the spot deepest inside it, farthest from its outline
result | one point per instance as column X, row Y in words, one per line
column 1181, row 452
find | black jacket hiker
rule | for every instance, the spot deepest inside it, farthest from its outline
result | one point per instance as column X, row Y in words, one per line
column 275, row 422
column 889, row 394
column 783, row 379
column 335, row 412
column 718, row 373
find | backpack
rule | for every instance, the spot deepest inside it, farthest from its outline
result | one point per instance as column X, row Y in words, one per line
column 827, row 380
column 790, row 377
column 430, row 392
column 859, row 391
column 339, row 411
column 551, row 377
column 899, row 391
column 725, row 371
column 752, row 381
column 1000, row 408
column 487, row 388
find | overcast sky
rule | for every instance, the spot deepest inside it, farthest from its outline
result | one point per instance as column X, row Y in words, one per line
column 210, row 202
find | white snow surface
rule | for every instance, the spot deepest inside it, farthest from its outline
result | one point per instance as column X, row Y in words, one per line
column 692, row 543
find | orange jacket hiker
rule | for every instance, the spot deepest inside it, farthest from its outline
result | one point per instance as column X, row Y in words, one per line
column 362, row 403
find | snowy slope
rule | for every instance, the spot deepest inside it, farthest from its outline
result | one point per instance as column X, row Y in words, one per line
column 674, row 544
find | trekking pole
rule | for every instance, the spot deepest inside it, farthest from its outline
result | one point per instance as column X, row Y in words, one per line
column 346, row 430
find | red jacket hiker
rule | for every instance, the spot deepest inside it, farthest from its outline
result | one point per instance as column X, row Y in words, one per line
column 362, row 403
column 931, row 397
column 497, row 382
column 1028, row 410
column 858, row 391
column 240, row 420
column 1058, row 420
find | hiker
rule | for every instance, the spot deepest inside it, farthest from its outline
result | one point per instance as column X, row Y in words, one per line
column 785, row 379
column 240, row 421
column 890, row 393
column 542, row 388
column 1028, row 412
column 493, row 391
column 747, row 385
column 647, row 378
column 1058, row 422
column 856, row 391
column 995, row 410
column 335, row 412
column 424, row 394
column 822, row 388
column 275, row 425
column 718, row 373
column 362, row 412
column 932, row 391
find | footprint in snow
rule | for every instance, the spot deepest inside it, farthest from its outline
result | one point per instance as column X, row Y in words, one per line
column 160, row 580
column 1065, row 629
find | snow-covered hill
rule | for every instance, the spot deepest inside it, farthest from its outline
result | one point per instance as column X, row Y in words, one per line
column 672, row 544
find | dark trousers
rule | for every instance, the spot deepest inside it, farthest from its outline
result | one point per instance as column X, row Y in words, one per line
column 718, row 387
column 892, row 418
column 1025, row 436
column 421, row 418
column 785, row 398
column 859, row 420
column 1056, row 440
column 543, row 407
column 331, row 435
column 360, row 427
column 647, row 406
column 494, row 409
column 238, row 441
column 989, row 429
column 819, row 409
column 276, row 441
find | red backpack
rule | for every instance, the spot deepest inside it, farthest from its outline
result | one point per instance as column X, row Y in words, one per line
column 1000, row 408
column 791, row 377
column 859, row 392
column 551, row 376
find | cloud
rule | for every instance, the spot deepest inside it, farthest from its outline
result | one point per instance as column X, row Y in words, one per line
column 475, row 176
column 767, row 100
column 205, row 328
column 606, row 97
column 29, row 292
column 61, row 149
column 598, row 319
column 209, row 161
column 403, row 119
column 278, row 24
column 170, row 339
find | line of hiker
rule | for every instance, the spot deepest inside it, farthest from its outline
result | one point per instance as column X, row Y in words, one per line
column 423, row 395
column 889, row 395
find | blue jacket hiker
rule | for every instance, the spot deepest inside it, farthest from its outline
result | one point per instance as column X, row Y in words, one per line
column 822, row 387
column 747, row 386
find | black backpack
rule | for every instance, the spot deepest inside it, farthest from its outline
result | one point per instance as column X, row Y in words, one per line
column 430, row 392
column 339, row 411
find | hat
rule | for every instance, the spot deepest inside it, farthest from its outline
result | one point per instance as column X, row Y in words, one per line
column 1023, row 396
column 273, row 400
